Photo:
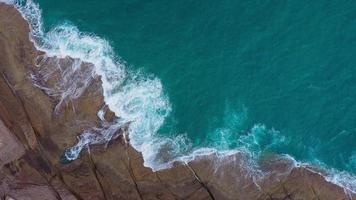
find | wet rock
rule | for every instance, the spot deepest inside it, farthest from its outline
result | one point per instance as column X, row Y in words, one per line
column 39, row 126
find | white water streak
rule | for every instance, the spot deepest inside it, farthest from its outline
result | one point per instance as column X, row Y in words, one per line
column 136, row 98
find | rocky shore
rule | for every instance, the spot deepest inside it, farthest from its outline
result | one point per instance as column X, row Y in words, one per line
column 33, row 138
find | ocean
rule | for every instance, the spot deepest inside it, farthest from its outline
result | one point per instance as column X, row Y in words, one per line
column 265, row 77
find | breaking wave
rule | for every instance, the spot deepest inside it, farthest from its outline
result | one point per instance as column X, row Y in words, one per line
column 138, row 99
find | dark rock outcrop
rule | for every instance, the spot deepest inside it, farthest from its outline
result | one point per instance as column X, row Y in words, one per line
column 33, row 136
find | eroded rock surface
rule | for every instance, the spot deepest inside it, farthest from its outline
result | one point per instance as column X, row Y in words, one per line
column 37, row 126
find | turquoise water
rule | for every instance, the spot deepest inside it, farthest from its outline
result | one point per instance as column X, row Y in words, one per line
column 269, row 76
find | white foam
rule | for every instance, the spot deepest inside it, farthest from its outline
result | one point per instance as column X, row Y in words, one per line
column 132, row 96
column 342, row 178
column 101, row 114
column 136, row 98
column 93, row 136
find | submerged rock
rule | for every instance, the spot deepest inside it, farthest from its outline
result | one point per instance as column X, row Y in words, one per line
column 37, row 128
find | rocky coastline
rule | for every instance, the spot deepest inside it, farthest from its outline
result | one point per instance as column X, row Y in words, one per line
column 33, row 138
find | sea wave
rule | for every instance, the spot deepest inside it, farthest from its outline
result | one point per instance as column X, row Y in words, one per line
column 138, row 99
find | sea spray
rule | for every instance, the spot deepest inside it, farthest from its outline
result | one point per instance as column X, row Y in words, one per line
column 137, row 91
column 136, row 98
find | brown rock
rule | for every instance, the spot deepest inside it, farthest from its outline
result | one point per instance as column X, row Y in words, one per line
column 38, row 125
column 10, row 148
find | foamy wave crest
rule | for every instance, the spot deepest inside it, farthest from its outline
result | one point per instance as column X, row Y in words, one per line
column 225, row 142
column 137, row 99
column 341, row 178
column 260, row 139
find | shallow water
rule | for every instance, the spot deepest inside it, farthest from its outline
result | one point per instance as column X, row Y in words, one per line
column 266, row 76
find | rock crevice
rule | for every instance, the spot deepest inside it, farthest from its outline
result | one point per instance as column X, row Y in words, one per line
column 196, row 176
column 34, row 136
